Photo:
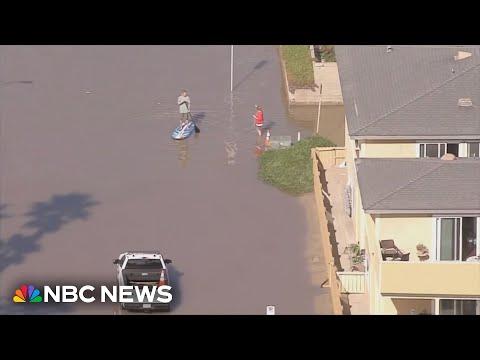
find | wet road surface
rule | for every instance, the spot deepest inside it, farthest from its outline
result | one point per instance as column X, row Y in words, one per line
column 88, row 170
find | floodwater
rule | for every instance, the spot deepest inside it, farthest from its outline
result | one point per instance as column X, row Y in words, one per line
column 88, row 170
column 330, row 126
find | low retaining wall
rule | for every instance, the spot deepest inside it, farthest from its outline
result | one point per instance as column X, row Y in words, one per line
column 333, row 280
column 291, row 92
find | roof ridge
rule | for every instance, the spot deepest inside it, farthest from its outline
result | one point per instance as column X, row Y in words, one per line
column 418, row 97
column 393, row 192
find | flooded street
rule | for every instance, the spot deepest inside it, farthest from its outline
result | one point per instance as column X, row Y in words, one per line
column 88, row 170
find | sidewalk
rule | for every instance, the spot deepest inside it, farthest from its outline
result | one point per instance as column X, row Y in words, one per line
column 326, row 75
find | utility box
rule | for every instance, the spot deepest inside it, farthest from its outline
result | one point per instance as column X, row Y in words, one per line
column 279, row 142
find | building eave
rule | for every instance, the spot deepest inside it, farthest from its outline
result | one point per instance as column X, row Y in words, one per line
column 423, row 211
column 416, row 137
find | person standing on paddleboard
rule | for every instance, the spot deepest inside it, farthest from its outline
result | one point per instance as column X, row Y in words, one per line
column 184, row 107
column 258, row 122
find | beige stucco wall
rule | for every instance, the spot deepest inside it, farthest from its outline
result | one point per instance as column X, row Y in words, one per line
column 360, row 230
column 374, row 266
column 395, row 306
column 388, row 149
column 350, row 155
column 430, row 278
column 407, row 231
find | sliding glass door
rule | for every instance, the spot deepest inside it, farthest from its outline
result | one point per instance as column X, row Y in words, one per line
column 457, row 238
column 448, row 239
column 459, row 307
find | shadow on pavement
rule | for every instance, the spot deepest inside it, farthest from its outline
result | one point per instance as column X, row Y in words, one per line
column 269, row 125
column 44, row 217
column 3, row 214
column 259, row 65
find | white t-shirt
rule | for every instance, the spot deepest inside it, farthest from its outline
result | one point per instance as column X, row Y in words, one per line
column 184, row 104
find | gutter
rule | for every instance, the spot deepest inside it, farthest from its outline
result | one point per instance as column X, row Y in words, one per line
column 415, row 137
column 424, row 211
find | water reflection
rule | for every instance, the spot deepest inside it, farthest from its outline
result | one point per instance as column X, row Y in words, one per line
column 231, row 143
column 231, row 150
column 184, row 150
column 258, row 147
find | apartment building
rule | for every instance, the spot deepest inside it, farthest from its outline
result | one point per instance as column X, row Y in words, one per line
column 412, row 144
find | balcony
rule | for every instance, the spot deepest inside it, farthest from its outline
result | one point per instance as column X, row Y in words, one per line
column 430, row 278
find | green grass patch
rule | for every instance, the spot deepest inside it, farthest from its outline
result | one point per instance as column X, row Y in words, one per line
column 290, row 169
column 298, row 65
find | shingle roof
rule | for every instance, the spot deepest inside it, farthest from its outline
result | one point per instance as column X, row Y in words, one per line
column 419, row 185
column 412, row 91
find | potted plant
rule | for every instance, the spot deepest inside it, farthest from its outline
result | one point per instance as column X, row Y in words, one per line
column 422, row 252
column 356, row 254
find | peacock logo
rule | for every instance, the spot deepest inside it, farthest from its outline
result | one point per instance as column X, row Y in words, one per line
column 27, row 294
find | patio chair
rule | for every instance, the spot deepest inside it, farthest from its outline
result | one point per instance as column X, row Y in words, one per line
column 390, row 250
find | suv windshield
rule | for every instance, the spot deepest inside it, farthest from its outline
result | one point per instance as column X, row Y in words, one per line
column 144, row 264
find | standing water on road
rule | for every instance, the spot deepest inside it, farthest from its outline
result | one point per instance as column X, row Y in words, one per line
column 331, row 125
column 97, row 121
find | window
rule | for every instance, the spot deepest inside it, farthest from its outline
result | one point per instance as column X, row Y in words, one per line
column 432, row 150
column 144, row 264
column 456, row 238
column 453, row 149
column 459, row 307
column 438, row 150
column 473, row 149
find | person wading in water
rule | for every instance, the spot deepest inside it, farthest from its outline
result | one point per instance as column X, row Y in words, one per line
column 258, row 120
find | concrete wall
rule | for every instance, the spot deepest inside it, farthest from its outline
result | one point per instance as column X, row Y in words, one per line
column 388, row 149
column 330, row 156
column 334, row 281
column 407, row 231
